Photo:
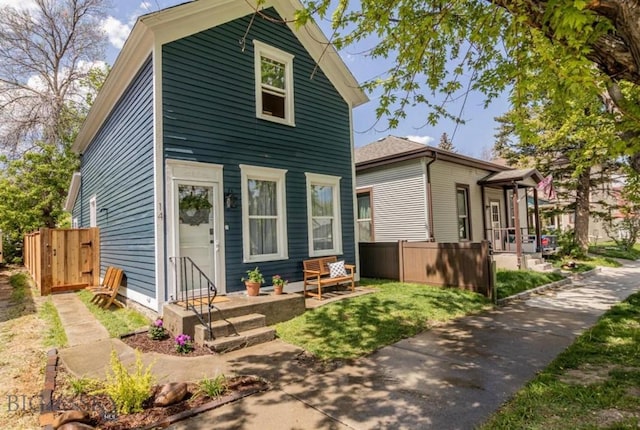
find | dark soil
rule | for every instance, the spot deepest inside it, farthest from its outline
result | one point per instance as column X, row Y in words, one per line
column 103, row 413
column 144, row 343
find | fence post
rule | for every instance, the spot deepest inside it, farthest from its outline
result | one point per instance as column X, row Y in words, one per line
column 401, row 260
column 45, row 262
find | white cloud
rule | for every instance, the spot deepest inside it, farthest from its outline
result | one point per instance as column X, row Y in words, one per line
column 18, row 4
column 145, row 5
column 116, row 31
column 425, row 140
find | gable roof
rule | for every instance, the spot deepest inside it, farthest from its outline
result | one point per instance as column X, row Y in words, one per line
column 529, row 177
column 153, row 30
column 393, row 149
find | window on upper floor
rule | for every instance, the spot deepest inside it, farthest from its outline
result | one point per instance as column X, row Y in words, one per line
column 323, row 214
column 264, row 222
column 462, row 205
column 274, row 84
column 365, row 216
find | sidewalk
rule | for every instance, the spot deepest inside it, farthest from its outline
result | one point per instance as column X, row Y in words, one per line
column 449, row 377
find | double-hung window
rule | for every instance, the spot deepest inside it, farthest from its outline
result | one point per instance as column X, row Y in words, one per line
column 264, row 221
column 323, row 213
column 462, row 204
column 274, row 84
column 365, row 216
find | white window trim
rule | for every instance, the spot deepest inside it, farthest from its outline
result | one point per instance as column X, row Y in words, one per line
column 333, row 181
column 261, row 49
column 268, row 174
column 93, row 211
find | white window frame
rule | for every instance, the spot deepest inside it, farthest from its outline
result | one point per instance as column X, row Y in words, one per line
column 467, row 216
column 260, row 50
column 333, row 181
column 93, row 211
column 75, row 223
column 266, row 174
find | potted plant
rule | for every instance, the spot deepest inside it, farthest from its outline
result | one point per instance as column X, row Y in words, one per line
column 278, row 284
column 253, row 281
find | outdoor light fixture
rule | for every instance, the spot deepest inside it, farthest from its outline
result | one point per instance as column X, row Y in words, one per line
column 230, row 200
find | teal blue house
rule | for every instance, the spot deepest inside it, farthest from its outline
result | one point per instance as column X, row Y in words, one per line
column 223, row 133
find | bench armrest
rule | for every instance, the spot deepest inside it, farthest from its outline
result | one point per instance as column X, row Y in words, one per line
column 312, row 272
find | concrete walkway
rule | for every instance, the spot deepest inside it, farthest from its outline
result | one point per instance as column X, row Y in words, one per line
column 79, row 323
column 451, row 377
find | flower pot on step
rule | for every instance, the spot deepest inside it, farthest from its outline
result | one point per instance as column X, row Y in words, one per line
column 253, row 288
column 277, row 289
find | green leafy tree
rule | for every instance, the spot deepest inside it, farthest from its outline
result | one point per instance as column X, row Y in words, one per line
column 443, row 50
column 572, row 144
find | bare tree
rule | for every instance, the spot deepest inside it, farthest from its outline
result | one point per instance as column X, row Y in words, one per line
column 446, row 143
column 45, row 54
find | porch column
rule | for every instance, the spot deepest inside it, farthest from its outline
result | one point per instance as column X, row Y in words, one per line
column 537, row 220
column 516, row 224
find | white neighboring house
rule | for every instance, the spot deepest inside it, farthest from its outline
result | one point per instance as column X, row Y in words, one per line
column 410, row 191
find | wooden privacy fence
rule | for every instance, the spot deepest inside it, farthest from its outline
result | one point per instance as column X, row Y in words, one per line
column 462, row 265
column 63, row 259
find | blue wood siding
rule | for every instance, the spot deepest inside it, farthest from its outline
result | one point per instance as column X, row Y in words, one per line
column 117, row 168
column 210, row 116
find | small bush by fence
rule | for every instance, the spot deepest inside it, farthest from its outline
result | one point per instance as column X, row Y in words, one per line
column 63, row 259
column 462, row 265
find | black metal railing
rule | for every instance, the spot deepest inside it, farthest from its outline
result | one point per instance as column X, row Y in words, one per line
column 196, row 291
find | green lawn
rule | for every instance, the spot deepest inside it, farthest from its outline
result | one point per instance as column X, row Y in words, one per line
column 116, row 321
column 609, row 249
column 594, row 384
column 586, row 263
column 358, row 326
column 510, row 282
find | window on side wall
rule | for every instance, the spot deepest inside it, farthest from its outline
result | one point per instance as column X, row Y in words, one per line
column 365, row 216
column 462, row 204
column 93, row 211
column 323, row 214
column 264, row 222
column 274, row 84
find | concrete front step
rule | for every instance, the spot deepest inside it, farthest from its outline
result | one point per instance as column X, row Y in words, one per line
column 241, row 340
column 230, row 326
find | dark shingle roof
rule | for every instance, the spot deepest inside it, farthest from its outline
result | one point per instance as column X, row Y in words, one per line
column 390, row 145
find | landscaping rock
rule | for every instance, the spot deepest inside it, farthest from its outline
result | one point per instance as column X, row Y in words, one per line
column 69, row 416
column 171, row 393
column 75, row 426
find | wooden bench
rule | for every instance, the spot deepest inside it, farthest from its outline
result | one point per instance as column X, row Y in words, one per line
column 317, row 275
column 104, row 295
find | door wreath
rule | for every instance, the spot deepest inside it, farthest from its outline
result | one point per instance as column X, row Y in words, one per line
column 194, row 208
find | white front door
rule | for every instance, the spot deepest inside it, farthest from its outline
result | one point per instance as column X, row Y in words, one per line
column 196, row 229
column 195, row 226
column 496, row 231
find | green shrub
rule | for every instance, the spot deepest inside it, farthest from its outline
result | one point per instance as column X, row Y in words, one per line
column 212, row 387
column 83, row 385
column 128, row 390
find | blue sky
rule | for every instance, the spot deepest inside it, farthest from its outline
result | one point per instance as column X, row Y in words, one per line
column 470, row 138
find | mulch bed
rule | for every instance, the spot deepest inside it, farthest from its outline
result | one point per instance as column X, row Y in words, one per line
column 144, row 343
column 103, row 413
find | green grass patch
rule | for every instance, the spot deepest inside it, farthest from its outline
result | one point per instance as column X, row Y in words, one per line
column 592, row 384
column 117, row 322
column 20, row 283
column 585, row 264
column 510, row 282
column 613, row 251
column 360, row 325
column 55, row 334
